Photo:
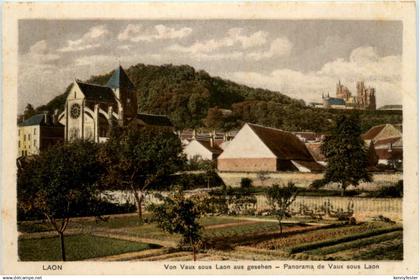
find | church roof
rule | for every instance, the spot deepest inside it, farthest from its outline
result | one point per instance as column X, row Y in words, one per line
column 155, row 120
column 96, row 92
column 119, row 79
column 336, row 101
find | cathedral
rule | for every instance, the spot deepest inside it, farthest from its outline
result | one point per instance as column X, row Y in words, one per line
column 365, row 98
column 91, row 110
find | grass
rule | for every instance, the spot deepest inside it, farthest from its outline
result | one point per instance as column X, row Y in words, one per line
column 78, row 247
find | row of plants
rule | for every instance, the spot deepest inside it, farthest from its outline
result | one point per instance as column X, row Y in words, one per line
column 335, row 231
column 330, row 242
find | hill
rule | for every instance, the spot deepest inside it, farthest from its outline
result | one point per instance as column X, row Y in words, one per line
column 186, row 95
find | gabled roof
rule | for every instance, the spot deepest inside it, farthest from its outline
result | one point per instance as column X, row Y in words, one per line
column 315, row 150
column 96, row 92
column 207, row 144
column 373, row 132
column 155, row 120
column 119, row 79
column 283, row 145
column 391, row 140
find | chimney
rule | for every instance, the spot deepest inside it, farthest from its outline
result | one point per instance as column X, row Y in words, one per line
column 55, row 117
column 45, row 117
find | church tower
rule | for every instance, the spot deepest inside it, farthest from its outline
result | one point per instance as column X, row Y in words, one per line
column 125, row 95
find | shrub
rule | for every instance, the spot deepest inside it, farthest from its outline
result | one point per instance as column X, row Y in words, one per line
column 396, row 190
column 246, row 183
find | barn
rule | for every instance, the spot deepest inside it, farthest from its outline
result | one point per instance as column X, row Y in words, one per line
column 259, row 148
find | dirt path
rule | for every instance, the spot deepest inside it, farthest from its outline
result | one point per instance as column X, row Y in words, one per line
column 239, row 223
column 164, row 243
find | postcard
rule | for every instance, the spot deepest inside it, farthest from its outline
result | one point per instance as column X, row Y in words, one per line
column 195, row 138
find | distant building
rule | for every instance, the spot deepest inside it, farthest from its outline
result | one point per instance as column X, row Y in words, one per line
column 258, row 148
column 390, row 108
column 91, row 110
column 365, row 98
column 202, row 149
column 387, row 142
column 38, row 133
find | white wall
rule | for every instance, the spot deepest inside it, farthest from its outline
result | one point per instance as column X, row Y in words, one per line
column 246, row 144
column 194, row 148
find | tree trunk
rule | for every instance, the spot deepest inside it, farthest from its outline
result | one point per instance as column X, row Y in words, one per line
column 193, row 249
column 343, row 188
column 63, row 251
column 281, row 228
column 139, row 201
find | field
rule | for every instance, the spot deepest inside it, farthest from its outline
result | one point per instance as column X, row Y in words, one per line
column 123, row 237
column 78, row 247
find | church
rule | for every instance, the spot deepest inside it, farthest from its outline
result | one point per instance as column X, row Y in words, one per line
column 91, row 110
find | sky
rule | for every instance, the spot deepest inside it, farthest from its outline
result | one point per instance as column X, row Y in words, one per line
column 299, row 58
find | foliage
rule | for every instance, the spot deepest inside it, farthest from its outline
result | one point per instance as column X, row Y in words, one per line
column 345, row 154
column 396, row 190
column 263, row 176
column 60, row 183
column 280, row 199
column 246, row 183
column 177, row 214
column 29, row 111
column 188, row 97
column 137, row 158
column 232, row 201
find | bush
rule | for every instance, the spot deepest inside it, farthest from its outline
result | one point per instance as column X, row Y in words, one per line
column 396, row 190
column 246, row 183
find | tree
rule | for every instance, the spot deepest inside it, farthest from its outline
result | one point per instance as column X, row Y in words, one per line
column 346, row 155
column 29, row 111
column 280, row 199
column 215, row 118
column 177, row 214
column 136, row 158
column 59, row 182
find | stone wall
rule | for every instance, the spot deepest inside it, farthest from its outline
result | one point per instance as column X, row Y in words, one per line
column 304, row 179
column 247, row 164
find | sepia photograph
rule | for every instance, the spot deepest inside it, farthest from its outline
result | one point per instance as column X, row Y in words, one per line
column 172, row 141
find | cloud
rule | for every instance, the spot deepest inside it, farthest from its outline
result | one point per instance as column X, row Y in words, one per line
column 233, row 37
column 236, row 45
column 278, row 47
column 136, row 33
column 94, row 38
column 364, row 63
column 40, row 53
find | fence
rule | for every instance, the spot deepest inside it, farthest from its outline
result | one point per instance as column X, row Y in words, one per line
column 363, row 207
column 302, row 179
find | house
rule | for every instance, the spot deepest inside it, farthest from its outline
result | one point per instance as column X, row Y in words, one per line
column 91, row 110
column 389, row 150
column 202, row 149
column 258, row 148
column 382, row 131
column 38, row 133
column 315, row 150
column 387, row 142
